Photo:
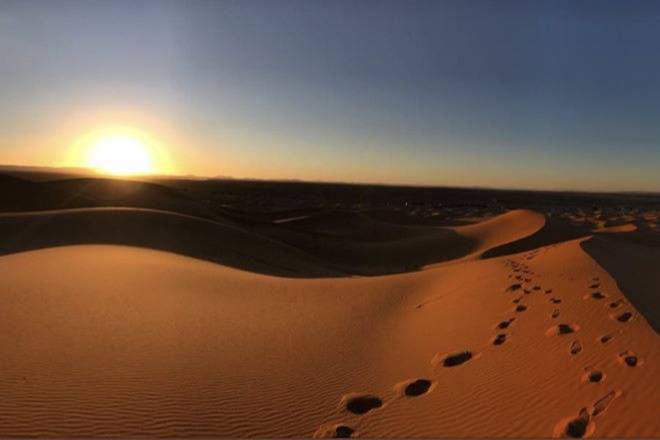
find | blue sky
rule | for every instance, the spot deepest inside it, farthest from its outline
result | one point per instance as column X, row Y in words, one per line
column 556, row 94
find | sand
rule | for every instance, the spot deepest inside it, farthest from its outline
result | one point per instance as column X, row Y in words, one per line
column 113, row 335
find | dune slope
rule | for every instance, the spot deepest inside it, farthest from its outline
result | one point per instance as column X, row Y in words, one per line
column 111, row 340
column 635, row 269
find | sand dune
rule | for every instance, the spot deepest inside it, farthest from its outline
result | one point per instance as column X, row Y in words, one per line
column 363, row 245
column 220, row 242
column 318, row 246
column 112, row 340
column 555, row 230
column 501, row 230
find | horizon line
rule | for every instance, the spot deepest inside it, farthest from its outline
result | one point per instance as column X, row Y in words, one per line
column 62, row 169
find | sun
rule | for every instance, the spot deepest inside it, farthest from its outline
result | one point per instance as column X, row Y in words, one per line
column 120, row 155
column 121, row 150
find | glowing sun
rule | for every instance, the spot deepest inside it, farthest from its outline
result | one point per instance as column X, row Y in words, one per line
column 120, row 154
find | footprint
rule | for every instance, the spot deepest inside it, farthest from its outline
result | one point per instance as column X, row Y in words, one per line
column 615, row 304
column 514, row 287
column 361, row 403
column 537, row 287
column 583, row 425
column 598, row 295
column 562, row 329
column 527, row 291
column 595, row 286
column 624, row 317
column 548, row 291
column 414, row 388
column 576, row 427
column 575, row 348
column 629, row 358
column 499, row 339
column 555, row 313
column 593, row 376
column 606, row 338
column 517, row 300
column 505, row 324
column 453, row 360
column 334, row 431
column 344, row 431
column 521, row 308
column 555, row 300
column 601, row 405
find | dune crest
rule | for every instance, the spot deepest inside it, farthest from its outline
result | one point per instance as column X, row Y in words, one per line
column 505, row 228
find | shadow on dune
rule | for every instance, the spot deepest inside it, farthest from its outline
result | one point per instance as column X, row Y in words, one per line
column 634, row 266
column 310, row 243
column 327, row 244
column 190, row 236
column 554, row 231
column 364, row 246
column 275, row 251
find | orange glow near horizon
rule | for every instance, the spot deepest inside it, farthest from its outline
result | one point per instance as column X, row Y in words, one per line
column 121, row 151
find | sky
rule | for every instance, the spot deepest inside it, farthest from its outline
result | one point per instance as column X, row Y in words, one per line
column 529, row 94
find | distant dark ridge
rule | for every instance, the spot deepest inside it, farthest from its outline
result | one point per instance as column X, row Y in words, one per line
column 8, row 182
column 18, row 195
